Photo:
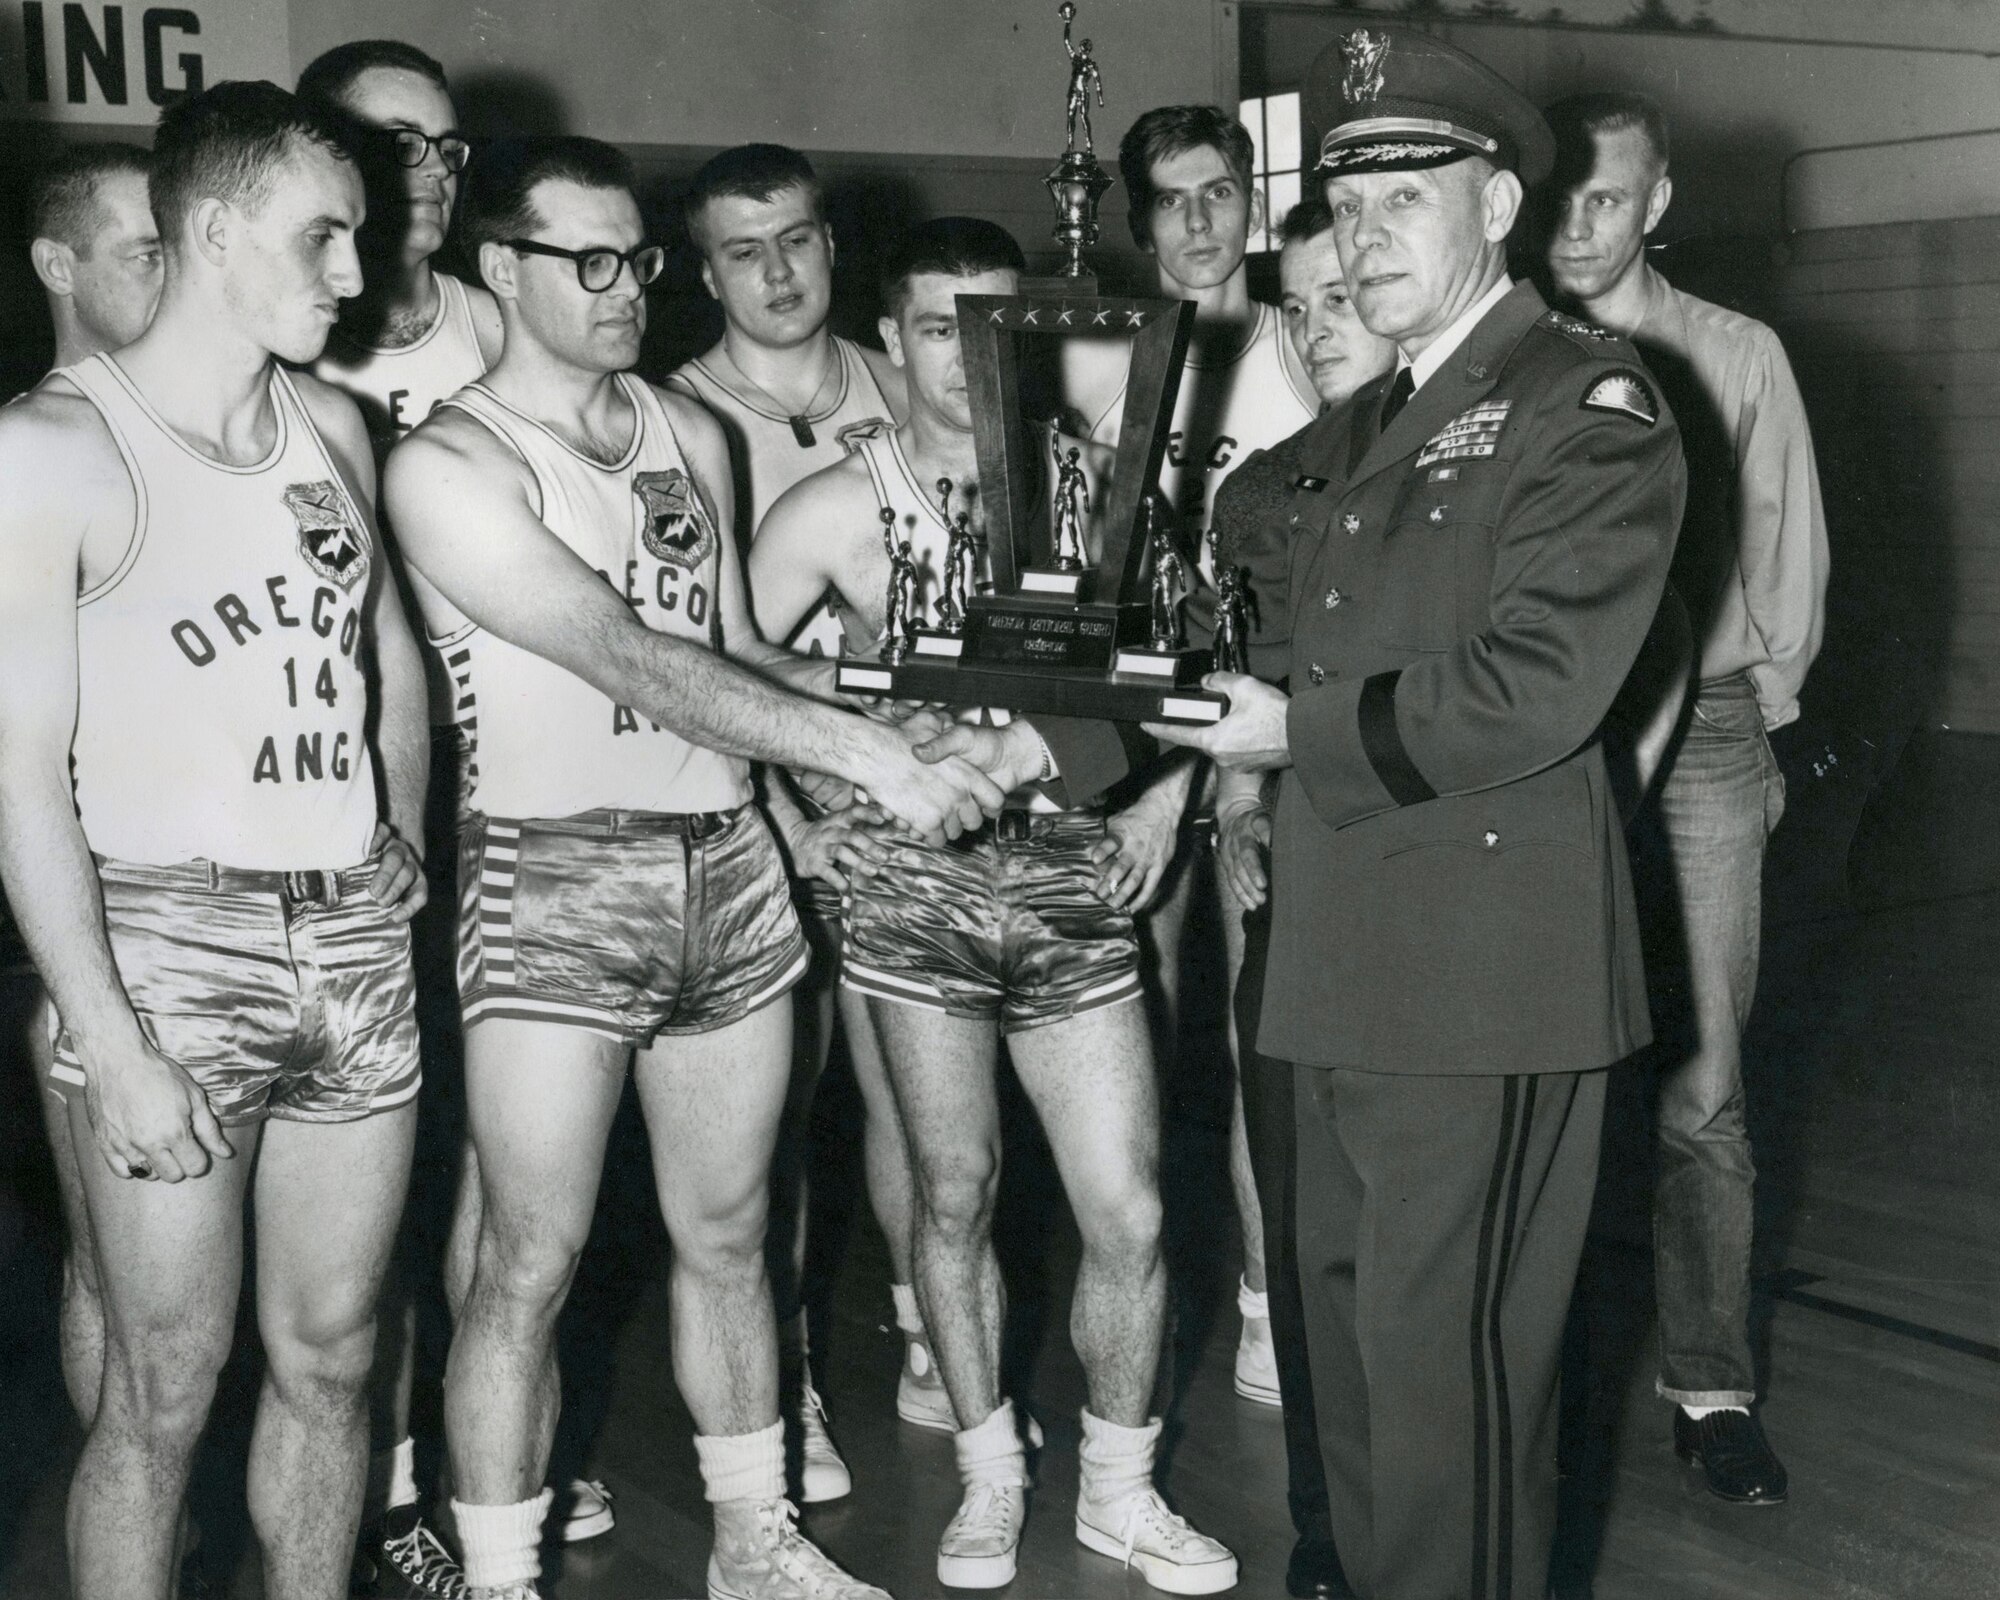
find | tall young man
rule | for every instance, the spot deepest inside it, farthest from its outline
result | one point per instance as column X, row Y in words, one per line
column 1751, row 566
column 623, row 906
column 96, row 252
column 1025, row 930
column 191, row 618
column 792, row 397
column 1341, row 355
column 1193, row 207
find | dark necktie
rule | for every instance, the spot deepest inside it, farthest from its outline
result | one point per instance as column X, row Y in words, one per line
column 1398, row 396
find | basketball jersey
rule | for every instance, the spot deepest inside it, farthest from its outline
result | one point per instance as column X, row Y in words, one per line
column 396, row 390
column 920, row 520
column 541, row 741
column 768, row 459
column 1225, row 411
column 221, row 704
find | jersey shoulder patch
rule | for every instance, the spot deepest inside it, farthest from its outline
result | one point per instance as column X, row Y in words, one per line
column 1625, row 392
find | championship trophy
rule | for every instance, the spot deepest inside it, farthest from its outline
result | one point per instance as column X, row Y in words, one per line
column 1061, row 635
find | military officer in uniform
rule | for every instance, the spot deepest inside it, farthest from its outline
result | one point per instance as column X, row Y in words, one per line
column 1479, row 547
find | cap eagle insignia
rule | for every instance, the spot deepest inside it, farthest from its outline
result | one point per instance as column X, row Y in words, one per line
column 1364, row 52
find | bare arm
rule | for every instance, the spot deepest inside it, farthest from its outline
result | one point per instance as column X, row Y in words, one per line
column 399, row 710
column 58, row 472
column 464, row 519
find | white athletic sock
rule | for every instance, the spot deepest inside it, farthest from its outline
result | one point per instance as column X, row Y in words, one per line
column 743, row 1466
column 392, row 1479
column 908, row 1317
column 1252, row 1302
column 1113, row 1462
column 503, row 1544
column 992, row 1452
column 1696, row 1413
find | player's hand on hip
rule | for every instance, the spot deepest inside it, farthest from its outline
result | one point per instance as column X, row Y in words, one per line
column 1133, row 855
column 1252, row 738
column 151, row 1119
column 1242, row 836
column 841, row 847
column 399, row 875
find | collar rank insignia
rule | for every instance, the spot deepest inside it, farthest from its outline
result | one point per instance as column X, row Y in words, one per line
column 1309, row 483
column 674, row 525
column 1471, row 433
column 328, row 539
column 1563, row 322
column 1626, row 392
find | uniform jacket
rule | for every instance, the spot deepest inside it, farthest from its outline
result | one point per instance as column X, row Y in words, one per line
column 1468, row 590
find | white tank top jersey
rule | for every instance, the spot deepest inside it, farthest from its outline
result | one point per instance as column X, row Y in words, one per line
column 768, row 457
column 396, row 390
column 1225, row 410
column 919, row 520
column 221, row 702
column 542, row 742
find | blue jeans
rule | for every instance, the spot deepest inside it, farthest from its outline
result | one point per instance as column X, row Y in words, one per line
column 1721, row 796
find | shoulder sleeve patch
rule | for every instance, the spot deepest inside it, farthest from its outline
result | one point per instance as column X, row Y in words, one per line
column 1624, row 392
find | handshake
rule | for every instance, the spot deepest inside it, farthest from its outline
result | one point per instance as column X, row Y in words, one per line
column 934, row 777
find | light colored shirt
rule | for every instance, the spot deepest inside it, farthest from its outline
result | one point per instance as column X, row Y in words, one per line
column 1766, row 614
column 1439, row 350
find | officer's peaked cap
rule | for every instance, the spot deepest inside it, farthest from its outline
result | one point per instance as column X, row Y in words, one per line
column 1392, row 99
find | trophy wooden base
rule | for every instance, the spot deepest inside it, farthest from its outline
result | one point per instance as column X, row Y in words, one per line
column 1030, row 688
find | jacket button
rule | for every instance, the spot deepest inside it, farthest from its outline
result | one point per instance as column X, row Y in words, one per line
column 1490, row 838
column 1350, row 523
column 1333, row 598
column 1437, row 513
column 1316, row 672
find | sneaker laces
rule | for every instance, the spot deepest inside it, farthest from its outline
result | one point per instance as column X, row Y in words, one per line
column 985, row 1509
column 1147, row 1512
column 795, row 1557
column 421, row 1558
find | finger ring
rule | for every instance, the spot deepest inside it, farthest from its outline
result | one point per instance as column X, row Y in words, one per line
column 139, row 1169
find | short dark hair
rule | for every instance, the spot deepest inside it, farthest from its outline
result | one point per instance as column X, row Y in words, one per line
column 331, row 74
column 1171, row 131
column 499, row 191
column 951, row 247
column 63, row 203
column 229, row 143
column 749, row 172
column 1576, row 119
column 1307, row 220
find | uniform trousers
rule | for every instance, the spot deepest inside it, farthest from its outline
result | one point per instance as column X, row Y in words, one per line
column 1268, row 1122
column 1440, row 1220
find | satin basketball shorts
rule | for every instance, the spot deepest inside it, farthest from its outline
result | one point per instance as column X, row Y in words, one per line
column 1003, row 924
column 625, row 923
column 285, row 995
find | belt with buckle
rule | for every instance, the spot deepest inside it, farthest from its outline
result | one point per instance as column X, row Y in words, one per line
column 317, row 888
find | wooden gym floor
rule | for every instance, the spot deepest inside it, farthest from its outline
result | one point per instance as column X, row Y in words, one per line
column 1876, row 1107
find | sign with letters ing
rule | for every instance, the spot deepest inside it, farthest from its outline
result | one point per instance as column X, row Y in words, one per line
column 61, row 61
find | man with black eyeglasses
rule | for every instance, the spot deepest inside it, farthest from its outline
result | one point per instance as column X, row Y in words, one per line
column 625, row 908
column 412, row 336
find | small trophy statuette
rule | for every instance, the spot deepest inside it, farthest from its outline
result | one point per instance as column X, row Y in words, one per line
column 1168, row 576
column 897, row 627
column 1232, row 614
column 1083, row 77
column 956, row 589
column 1072, row 500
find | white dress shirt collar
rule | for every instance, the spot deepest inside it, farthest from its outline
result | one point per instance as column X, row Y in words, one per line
column 1439, row 350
